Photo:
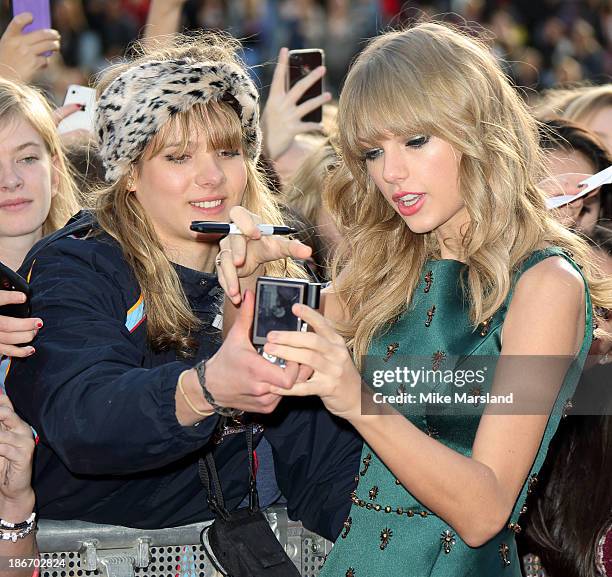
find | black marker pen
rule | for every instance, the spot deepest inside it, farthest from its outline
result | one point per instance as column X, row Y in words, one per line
column 212, row 227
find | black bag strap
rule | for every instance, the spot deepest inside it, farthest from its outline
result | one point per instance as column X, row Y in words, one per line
column 210, row 478
column 215, row 498
column 253, row 495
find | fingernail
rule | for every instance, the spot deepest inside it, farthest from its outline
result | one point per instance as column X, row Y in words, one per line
column 22, row 298
column 272, row 336
column 39, row 324
column 31, row 351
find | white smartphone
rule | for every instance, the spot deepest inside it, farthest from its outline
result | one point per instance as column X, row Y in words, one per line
column 81, row 119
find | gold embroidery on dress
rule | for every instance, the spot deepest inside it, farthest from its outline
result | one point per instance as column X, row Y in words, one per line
column 515, row 527
column 366, row 463
column 485, row 326
column 385, row 536
column 391, row 350
column 347, row 527
column 387, row 508
column 533, row 481
column 437, row 359
column 476, row 392
column 430, row 314
column 448, row 540
column 504, row 551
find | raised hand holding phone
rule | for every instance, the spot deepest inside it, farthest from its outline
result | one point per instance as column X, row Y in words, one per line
column 40, row 11
column 301, row 64
column 283, row 117
column 15, row 326
column 83, row 118
column 27, row 42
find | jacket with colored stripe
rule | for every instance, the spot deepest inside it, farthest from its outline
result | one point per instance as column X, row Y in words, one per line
column 102, row 403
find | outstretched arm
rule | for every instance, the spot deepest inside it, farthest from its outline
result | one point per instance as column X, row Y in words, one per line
column 476, row 494
column 23, row 55
column 164, row 19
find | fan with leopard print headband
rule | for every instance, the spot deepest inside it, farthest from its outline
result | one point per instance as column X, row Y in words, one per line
column 142, row 99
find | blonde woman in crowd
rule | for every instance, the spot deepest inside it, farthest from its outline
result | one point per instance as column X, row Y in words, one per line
column 131, row 347
column 450, row 253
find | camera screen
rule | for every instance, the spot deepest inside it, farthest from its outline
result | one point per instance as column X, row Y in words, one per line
column 274, row 308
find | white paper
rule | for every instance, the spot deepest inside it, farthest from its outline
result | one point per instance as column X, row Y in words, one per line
column 593, row 182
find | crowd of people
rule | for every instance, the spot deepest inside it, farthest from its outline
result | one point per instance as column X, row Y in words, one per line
column 421, row 199
column 542, row 44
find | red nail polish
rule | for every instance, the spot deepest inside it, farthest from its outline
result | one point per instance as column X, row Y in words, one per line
column 39, row 325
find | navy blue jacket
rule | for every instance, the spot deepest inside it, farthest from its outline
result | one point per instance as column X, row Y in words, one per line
column 102, row 403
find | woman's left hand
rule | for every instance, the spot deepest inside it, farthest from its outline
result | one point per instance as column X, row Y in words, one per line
column 327, row 367
column 16, row 455
column 241, row 255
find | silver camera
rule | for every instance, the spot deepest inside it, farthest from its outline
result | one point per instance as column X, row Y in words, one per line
column 274, row 298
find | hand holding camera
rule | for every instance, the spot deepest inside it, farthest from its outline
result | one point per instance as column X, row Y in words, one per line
column 237, row 376
column 326, row 366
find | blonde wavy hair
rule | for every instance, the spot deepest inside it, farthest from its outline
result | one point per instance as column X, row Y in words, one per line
column 587, row 102
column 22, row 101
column 304, row 189
column 433, row 80
column 170, row 321
column 576, row 103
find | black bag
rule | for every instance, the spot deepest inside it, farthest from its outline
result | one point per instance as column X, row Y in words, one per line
column 241, row 543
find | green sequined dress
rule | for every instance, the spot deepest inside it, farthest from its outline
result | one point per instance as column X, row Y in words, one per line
column 388, row 532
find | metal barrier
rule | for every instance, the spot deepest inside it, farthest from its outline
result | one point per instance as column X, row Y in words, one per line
column 80, row 549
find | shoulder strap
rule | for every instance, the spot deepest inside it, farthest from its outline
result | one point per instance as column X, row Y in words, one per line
column 208, row 472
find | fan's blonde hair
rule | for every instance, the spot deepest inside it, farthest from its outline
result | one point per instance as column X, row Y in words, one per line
column 433, row 80
column 170, row 320
column 303, row 191
column 576, row 103
column 23, row 102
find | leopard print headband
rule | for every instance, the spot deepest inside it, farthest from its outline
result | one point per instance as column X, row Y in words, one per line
column 142, row 99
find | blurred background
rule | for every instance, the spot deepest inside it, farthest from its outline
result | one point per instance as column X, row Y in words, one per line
column 543, row 43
